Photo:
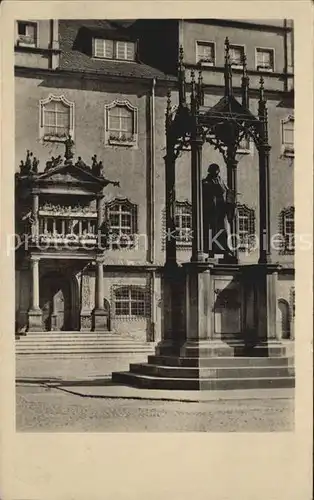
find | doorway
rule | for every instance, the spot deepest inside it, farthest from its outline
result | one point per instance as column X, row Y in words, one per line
column 58, row 302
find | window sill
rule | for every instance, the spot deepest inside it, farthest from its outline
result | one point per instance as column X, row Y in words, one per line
column 261, row 69
column 53, row 138
column 117, row 142
column 206, row 63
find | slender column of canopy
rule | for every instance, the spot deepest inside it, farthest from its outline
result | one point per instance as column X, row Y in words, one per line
column 264, row 181
column 196, row 182
column 232, row 164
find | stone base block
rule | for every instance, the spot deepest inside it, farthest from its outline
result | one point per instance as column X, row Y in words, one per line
column 35, row 320
column 99, row 320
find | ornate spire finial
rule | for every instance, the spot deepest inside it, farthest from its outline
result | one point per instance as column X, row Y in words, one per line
column 228, row 73
column 227, row 47
column 200, row 89
column 181, row 77
column 245, row 83
column 261, row 89
column 181, row 54
column 168, row 109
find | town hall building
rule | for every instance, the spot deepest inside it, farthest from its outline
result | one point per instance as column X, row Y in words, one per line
column 96, row 195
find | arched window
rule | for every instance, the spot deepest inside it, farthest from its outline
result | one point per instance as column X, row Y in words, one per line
column 283, row 319
column 286, row 222
column 246, row 227
column 121, row 123
column 130, row 301
column 56, row 118
column 287, row 136
column 122, row 217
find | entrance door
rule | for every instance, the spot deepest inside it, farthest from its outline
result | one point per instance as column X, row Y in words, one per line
column 55, row 292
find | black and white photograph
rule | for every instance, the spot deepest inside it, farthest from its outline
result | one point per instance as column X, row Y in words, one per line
column 154, row 225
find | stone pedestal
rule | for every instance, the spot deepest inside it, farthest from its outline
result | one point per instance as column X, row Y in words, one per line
column 199, row 304
column 99, row 320
column 35, row 323
column 173, row 311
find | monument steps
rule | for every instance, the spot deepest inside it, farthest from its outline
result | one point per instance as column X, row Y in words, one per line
column 216, row 368
column 204, row 373
column 221, row 361
column 190, row 384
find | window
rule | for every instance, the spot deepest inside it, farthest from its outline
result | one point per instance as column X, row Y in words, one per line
column 246, row 227
column 112, row 49
column 121, row 123
column 264, row 59
column 236, row 56
column 56, row 118
column 183, row 223
column 122, row 217
column 205, row 53
column 26, row 34
column 287, row 132
column 287, row 230
column 131, row 301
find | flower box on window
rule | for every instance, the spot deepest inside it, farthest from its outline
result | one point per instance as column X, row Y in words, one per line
column 122, row 140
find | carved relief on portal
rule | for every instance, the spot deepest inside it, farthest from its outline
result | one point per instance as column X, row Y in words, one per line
column 85, row 292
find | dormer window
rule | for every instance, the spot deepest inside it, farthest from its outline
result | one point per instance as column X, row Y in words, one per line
column 205, row 53
column 113, row 49
column 26, row 34
column 236, row 56
column 264, row 59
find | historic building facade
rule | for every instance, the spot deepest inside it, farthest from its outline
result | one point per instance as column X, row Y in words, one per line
column 94, row 227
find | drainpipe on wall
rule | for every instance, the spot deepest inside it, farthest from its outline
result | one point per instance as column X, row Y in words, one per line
column 54, row 43
column 152, row 245
column 152, row 253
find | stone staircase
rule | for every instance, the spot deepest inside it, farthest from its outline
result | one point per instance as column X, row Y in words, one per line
column 79, row 343
column 219, row 367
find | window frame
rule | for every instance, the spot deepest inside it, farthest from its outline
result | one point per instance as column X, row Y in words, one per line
column 287, row 149
column 145, row 301
column 265, row 49
column 116, row 141
column 133, row 213
column 51, row 137
column 20, row 43
column 239, row 46
column 205, row 43
column 114, row 50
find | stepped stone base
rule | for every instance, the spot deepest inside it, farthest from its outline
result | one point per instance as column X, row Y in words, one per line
column 215, row 366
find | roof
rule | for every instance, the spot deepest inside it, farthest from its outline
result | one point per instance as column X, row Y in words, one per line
column 75, row 45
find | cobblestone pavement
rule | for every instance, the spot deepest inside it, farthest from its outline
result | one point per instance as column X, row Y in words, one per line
column 44, row 409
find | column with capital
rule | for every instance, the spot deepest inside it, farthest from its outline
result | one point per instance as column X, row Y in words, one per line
column 35, row 313
column 100, row 319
